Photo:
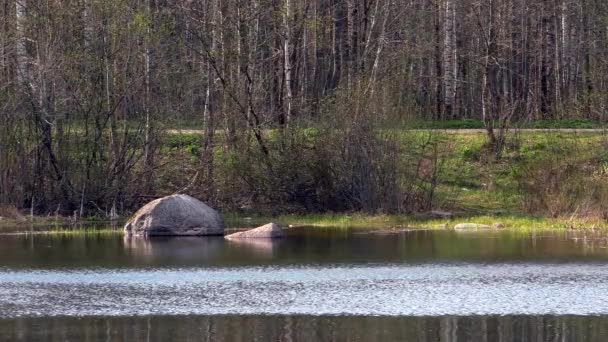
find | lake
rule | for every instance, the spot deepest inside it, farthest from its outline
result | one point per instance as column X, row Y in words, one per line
column 316, row 284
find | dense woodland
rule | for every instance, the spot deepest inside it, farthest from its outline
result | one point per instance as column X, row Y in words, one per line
column 295, row 98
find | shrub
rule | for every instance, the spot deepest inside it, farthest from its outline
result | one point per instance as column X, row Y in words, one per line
column 11, row 212
column 561, row 184
column 348, row 164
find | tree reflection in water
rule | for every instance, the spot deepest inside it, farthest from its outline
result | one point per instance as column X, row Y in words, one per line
column 307, row 328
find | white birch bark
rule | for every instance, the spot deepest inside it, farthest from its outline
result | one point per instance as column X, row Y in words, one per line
column 450, row 64
column 381, row 40
column 87, row 14
column 287, row 61
column 23, row 61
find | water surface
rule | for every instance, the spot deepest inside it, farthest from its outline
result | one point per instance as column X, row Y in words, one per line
column 307, row 328
column 313, row 285
column 306, row 246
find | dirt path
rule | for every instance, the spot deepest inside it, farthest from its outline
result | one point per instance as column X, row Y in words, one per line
column 457, row 131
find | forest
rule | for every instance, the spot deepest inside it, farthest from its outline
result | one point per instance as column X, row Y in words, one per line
column 292, row 106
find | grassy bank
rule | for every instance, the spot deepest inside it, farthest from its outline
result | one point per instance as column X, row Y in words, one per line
column 469, row 180
column 333, row 221
column 540, row 124
column 189, row 125
column 544, row 180
column 359, row 221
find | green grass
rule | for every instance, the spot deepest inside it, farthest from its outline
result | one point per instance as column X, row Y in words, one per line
column 76, row 232
column 472, row 185
column 480, row 184
column 27, row 223
column 523, row 224
column 59, row 226
column 449, row 124
column 518, row 223
column 319, row 220
column 375, row 222
column 557, row 124
column 541, row 124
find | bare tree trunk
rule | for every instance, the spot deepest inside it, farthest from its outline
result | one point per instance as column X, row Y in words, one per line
column 287, row 62
column 450, row 63
column 379, row 48
column 439, row 108
column 23, row 61
column 487, row 87
column 587, row 47
column 350, row 40
column 368, row 40
column 485, row 115
column 305, row 56
column 547, row 106
column 148, row 149
column 108, row 81
column 4, row 32
column 87, row 16
column 208, row 118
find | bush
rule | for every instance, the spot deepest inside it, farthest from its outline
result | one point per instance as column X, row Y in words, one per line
column 564, row 184
column 349, row 164
column 11, row 212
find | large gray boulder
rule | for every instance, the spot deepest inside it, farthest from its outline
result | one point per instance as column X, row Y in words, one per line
column 269, row 231
column 176, row 215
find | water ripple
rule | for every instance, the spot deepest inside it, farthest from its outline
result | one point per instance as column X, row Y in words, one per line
column 386, row 290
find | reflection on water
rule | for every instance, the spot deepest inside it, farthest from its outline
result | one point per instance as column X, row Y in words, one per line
column 259, row 247
column 167, row 248
column 308, row 328
column 313, row 285
column 302, row 246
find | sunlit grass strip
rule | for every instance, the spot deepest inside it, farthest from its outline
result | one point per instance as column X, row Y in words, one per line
column 319, row 220
column 523, row 224
column 71, row 232
column 519, row 223
column 47, row 227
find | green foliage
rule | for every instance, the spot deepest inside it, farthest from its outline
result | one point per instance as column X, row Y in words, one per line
column 339, row 168
column 347, row 164
column 577, row 123
column 561, row 175
column 472, row 152
column 141, row 22
column 449, row 124
column 512, row 223
column 540, row 124
column 191, row 143
column 84, row 119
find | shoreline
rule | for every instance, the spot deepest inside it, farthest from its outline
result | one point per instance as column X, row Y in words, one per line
column 380, row 223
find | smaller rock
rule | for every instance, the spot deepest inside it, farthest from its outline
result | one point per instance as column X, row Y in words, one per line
column 471, row 226
column 268, row 231
column 498, row 225
column 441, row 214
column 442, row 226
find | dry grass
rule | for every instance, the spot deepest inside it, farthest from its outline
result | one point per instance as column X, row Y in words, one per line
column 10, row 212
